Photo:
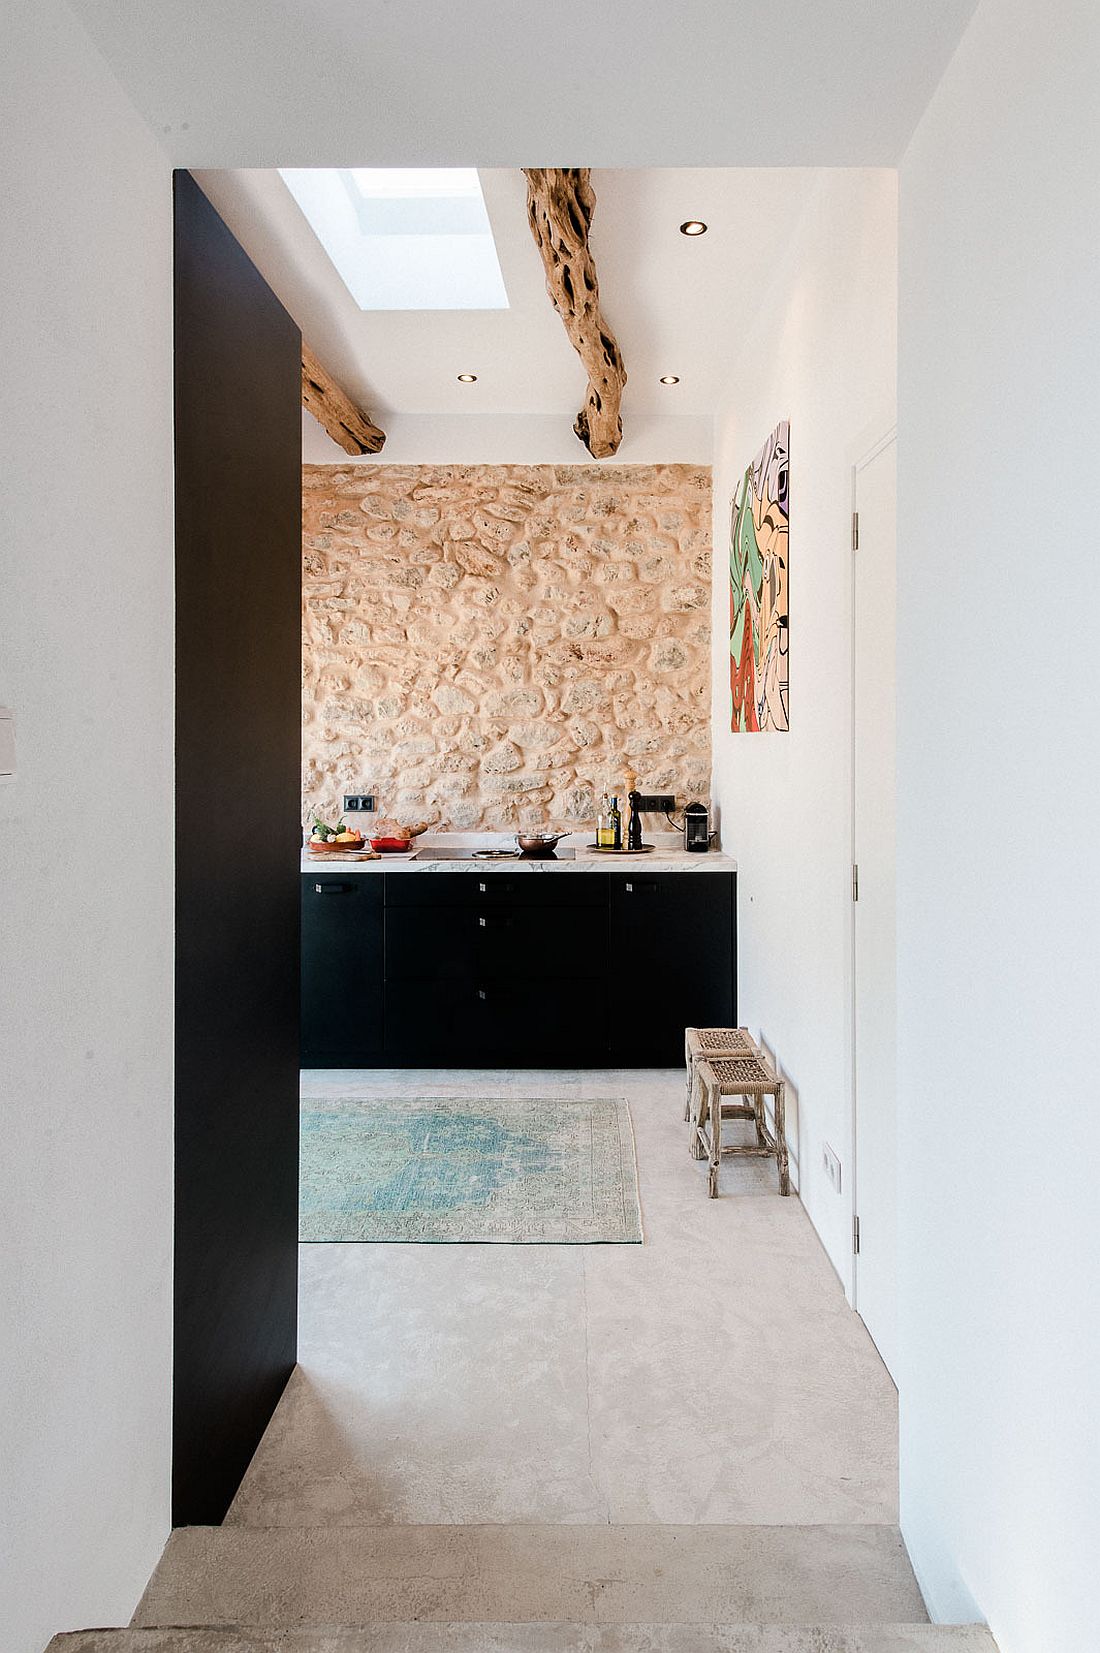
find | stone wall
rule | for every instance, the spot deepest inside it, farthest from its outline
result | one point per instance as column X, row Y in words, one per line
column 496, row 646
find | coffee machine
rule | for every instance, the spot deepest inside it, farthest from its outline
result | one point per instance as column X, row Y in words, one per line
column 697, row 827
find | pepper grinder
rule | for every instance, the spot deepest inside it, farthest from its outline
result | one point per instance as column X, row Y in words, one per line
column 634, row 830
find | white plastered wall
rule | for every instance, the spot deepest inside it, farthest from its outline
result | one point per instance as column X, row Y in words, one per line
column 823, row 355
column 86, row 658
column 998, row 824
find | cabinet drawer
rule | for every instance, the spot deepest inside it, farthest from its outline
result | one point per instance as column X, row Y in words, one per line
column 538, row 1024
column 431, row 943
column 482, row 887
column 543, row 943
column 494, row 942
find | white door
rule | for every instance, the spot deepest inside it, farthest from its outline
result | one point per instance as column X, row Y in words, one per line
column 875, row 996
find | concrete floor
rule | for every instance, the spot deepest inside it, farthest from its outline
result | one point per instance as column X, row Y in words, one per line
column 540, row 1638
column 687, row 1446
column 714, row 1374
column 562, row 1573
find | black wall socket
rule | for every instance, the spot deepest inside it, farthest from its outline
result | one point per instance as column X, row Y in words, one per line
column 360, row 800
column 657, row 803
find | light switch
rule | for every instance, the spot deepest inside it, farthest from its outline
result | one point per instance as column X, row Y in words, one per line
column 7, row 744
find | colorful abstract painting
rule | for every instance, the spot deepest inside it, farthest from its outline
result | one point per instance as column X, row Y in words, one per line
column 758, row 589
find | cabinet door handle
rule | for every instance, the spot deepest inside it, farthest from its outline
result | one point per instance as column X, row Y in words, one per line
column 333, row 889
column 500, row 921
column 481, row 993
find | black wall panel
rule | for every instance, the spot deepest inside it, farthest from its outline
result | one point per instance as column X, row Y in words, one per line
column 238, row 718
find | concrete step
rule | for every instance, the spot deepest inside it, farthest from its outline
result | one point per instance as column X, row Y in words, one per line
column 286, row 1578
column 542, row 1638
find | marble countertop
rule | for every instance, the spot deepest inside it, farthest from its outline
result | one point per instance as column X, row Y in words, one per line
column 663, row 858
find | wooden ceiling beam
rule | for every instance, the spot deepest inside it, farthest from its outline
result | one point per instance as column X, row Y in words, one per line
column 351, row 428
column 560, row 204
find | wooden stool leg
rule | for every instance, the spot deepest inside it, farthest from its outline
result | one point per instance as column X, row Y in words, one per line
column 697, row 1113
column 714, row 1100
column 690, row 1087
column 758, row 1118
column 781, row 1138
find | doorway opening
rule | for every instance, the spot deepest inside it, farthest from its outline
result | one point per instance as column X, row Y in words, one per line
column 498, row 630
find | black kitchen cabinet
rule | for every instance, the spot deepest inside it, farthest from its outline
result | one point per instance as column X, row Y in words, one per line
column 491, row 942
column 489, row 887
column 521, row 1023
column 491, row 968
column 341, row 971
column 673, row 946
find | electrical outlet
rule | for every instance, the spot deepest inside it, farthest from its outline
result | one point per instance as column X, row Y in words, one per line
column 359, row 801
column 658, row 803
column 832, row 1166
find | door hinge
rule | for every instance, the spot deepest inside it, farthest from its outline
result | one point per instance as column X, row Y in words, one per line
column 855, row 530
column 855, row 1236
column 855, row 881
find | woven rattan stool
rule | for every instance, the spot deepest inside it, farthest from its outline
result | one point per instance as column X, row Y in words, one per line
column 704, row 1042
column 751, row 1078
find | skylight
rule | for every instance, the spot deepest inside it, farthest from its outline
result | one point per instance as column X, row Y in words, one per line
column 404, row 238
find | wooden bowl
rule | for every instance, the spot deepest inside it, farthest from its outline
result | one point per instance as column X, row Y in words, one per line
column 317, row 846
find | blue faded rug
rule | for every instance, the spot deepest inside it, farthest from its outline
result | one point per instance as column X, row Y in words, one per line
column 452, row 1169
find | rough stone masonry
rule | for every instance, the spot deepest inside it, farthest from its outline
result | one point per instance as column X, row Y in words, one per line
column 495, row 646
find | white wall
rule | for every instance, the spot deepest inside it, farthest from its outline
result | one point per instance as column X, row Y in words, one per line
column 823, row 354
column 515, row 439
column 85, row 837
column 998, row 827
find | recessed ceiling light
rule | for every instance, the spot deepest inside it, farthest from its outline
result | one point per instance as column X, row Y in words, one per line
column 693, row 226
column 670, row 379
column 467, row 378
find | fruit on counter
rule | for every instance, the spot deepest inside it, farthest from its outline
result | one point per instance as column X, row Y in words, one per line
column 341, row 833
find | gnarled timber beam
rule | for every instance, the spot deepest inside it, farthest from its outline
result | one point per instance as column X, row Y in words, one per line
column 560, row 204
column 351, row 428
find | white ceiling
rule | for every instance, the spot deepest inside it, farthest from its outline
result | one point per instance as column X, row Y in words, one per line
column 232, row 83
column 633, row 88
column 677, row 304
